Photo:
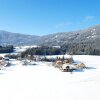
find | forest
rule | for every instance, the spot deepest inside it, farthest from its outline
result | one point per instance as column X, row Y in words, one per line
column 6, row 49
column 71, row 48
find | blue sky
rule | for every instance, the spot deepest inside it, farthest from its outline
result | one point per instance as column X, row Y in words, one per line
column 42, row 17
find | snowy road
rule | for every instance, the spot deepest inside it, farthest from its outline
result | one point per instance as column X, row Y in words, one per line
column 43, row 82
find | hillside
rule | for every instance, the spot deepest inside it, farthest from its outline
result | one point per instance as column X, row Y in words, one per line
column 88, row 35
column 7, row 38
column 91, row 34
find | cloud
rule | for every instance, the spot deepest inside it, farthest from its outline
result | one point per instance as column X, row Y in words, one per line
column 61, row 25
column 88, row 18
column 85, row 20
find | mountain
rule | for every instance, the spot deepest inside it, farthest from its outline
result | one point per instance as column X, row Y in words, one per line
column 7, row 38
column 91, row 34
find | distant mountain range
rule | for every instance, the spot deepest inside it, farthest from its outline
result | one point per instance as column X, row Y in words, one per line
column 91, row 34
column 8, row 38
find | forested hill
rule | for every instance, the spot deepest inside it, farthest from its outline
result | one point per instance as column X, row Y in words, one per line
column 89, row 35
column 16, row 39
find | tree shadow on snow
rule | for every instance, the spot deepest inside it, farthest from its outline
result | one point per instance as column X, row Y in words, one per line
column 1, row 73
column 79, row 70
column 84, row 69
column 90, row 68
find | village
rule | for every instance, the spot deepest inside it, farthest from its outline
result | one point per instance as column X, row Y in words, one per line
column 64, row 63
column 44, row 76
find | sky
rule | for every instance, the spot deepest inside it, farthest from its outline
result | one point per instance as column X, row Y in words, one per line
column 42, row 17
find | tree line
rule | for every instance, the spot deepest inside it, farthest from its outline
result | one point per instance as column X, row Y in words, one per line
column 6, row 49
column 43, row 50
column 71, row 48
column 83, row 48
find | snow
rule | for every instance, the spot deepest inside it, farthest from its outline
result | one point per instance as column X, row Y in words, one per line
column 19, row 49
column 2, row 55
column 56, row 36
column 93, row 36
column 44, row 82
column 61, row 56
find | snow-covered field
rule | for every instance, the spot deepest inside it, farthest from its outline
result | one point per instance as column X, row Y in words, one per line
column 44, row 82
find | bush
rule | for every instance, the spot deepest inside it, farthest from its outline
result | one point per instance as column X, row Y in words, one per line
column 12, row 56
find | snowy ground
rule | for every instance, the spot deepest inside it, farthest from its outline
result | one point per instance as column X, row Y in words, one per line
column 44, row 82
